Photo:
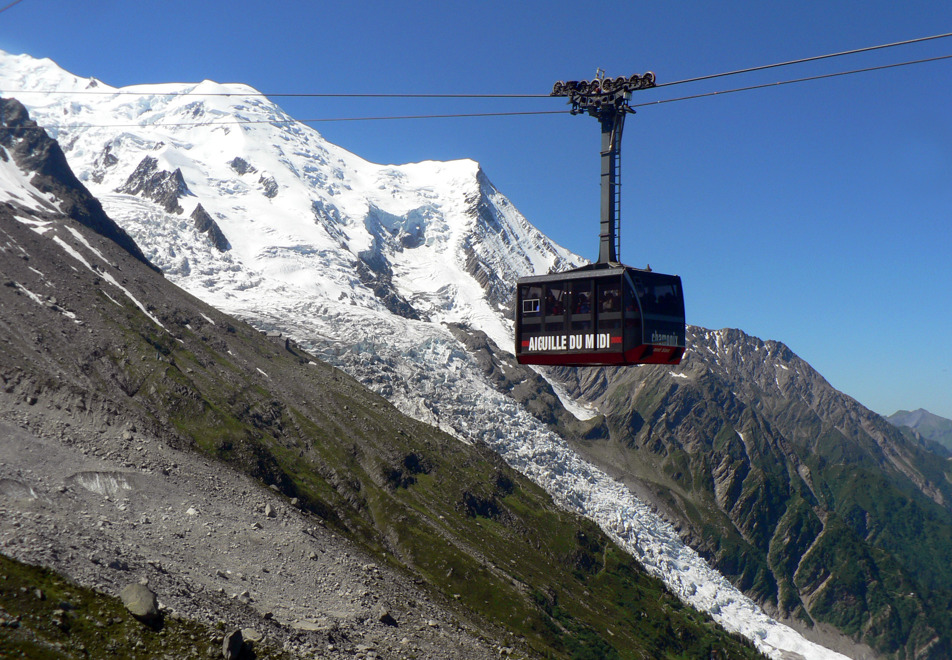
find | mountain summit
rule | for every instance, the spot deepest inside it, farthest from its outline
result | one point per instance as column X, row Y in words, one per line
column 433, row 241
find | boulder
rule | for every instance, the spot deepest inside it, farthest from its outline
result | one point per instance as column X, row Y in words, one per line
column 141, row 602
column 383, row 615
column 231, row 645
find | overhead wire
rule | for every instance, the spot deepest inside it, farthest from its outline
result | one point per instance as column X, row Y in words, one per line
column 524, row 113
column 446, row 116
column 15, row 2
column 233, row 122
column 510, row 114
column 790, row 82
column 764, row 67
column 804, row 60
column 658, row 102
column 300, row 95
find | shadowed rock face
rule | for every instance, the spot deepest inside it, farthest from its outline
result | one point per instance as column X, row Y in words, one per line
column 269, row 187
column 205, row 224
column 241, row 166
column 34, row 151
column 161, row 186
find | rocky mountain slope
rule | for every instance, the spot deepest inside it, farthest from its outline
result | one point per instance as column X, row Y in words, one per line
column 148, row 436
column 375, row 268
column 813, row 504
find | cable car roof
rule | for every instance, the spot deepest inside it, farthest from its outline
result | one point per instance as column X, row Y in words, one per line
column 600, row 269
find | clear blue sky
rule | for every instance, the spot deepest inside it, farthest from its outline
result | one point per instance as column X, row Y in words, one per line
column 816, row 214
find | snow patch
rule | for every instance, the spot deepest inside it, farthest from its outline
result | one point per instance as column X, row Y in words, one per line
column 580, row 411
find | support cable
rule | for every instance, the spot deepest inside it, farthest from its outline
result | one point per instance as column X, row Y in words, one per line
column 500, row 114
column 15, row 2
column 489, row 96
column 790, row 82
column 806, row 59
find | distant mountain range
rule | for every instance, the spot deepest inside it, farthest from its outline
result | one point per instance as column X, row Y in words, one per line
column 928, row 426
column 742, row 459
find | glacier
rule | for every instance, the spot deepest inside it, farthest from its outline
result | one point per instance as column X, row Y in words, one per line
column 362, row 264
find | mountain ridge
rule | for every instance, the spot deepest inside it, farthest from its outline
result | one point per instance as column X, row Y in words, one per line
column 932, row 428
column 337, row 318
column 763, row 464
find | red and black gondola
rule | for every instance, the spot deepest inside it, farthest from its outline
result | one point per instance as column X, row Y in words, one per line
column 605, row 313
column 600, row 315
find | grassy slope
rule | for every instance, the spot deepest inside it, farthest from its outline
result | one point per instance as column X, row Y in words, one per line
column 456, row 515
column 45, row 616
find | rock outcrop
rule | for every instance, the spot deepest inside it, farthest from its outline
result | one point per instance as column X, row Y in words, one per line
column 161, row 186
column 205, row 224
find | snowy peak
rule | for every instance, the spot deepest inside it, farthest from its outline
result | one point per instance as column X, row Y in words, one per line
column 429, row 240
column 23, row 73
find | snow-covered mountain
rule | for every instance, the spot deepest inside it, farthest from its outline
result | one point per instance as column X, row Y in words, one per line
column 381, row 269
column 428, row 240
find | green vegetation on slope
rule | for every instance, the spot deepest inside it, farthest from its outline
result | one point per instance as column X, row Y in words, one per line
column 800, row 504
column 457, row 516
column 43, row 616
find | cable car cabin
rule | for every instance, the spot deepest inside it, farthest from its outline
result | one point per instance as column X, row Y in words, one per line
column 604, row 314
